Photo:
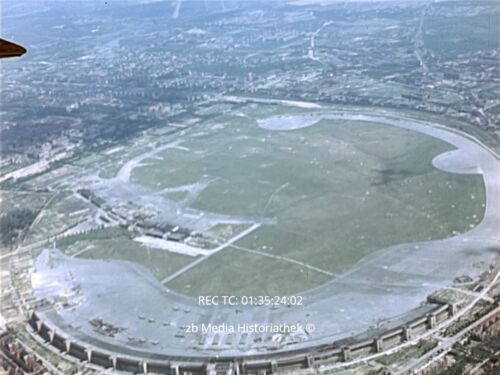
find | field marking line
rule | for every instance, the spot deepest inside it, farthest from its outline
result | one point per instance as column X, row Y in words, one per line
column 286, row 259
column 82, row 251
column 271, row 197
column 175, row 275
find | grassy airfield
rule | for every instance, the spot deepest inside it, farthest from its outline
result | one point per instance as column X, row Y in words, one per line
column 338, row 190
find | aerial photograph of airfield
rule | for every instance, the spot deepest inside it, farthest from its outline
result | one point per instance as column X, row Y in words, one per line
column 347, row 195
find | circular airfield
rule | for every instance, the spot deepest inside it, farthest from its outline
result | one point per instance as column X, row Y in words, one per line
column 362, row 215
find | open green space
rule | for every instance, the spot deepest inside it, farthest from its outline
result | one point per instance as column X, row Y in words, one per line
column 236, row 272
column 63, row 212
column 338, row 190
column 98, row 234
column 161, row 263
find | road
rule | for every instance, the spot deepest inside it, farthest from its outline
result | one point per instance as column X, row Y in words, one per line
column 214, row 251
column 49, row 366
column 427, row 334
column 24, row 249
column 445, row 346
column 312, row 42
column 419, row 42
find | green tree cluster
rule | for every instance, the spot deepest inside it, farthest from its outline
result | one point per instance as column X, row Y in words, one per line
column 13, row 223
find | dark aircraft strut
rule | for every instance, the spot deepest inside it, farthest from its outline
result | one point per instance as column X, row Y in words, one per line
column 9, row 49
